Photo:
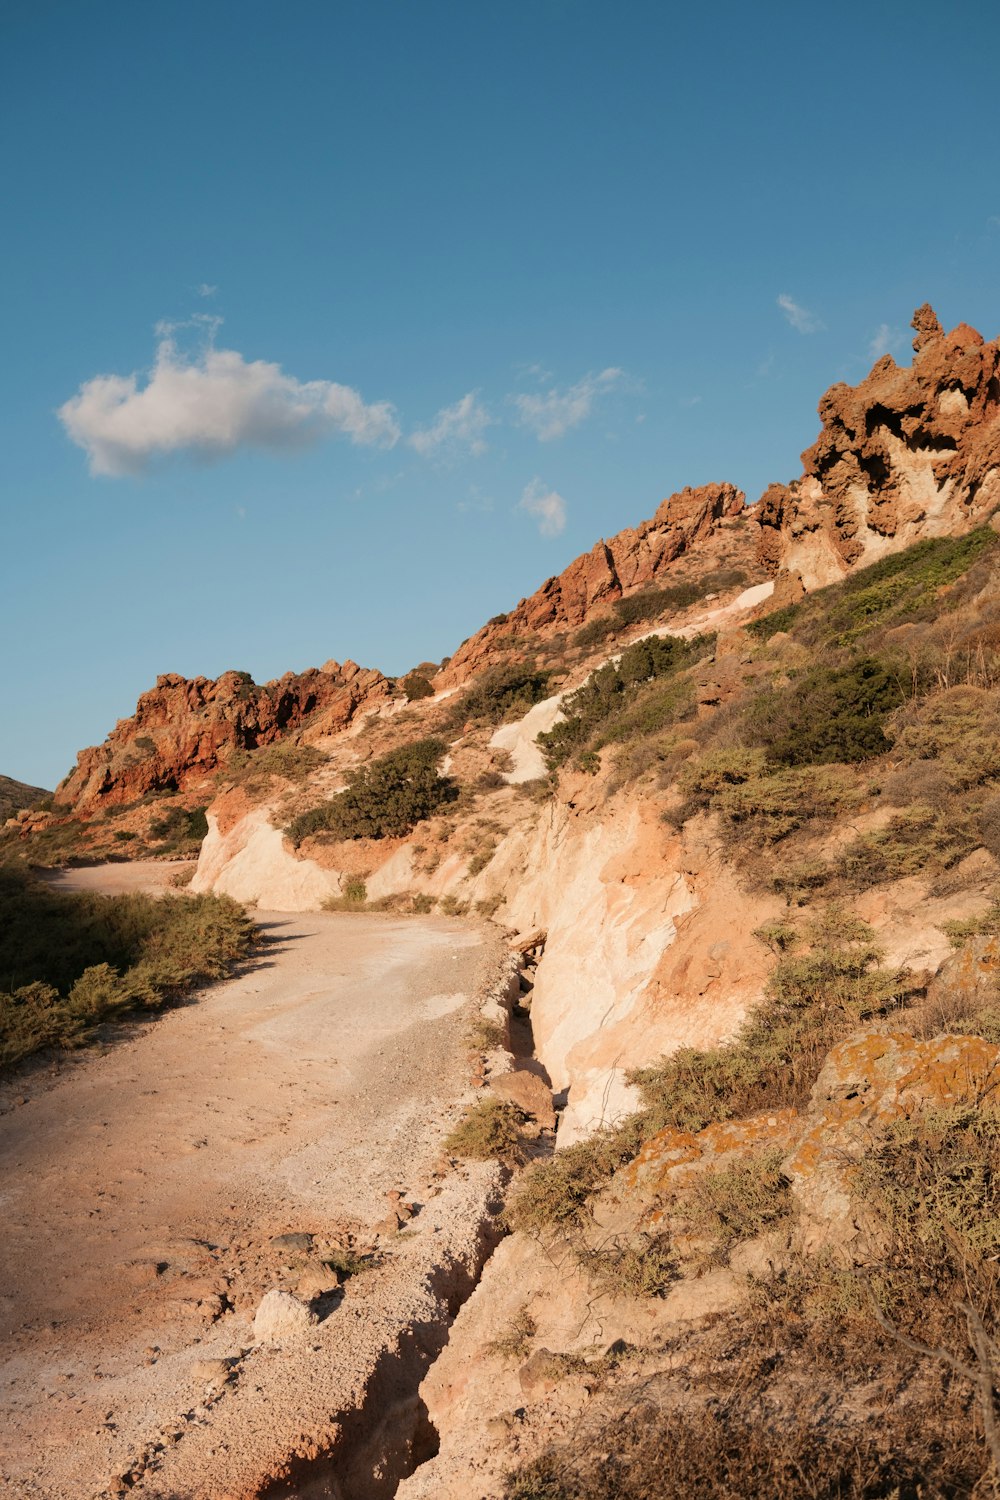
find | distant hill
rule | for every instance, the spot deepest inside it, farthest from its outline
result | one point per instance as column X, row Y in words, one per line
column 15, row 795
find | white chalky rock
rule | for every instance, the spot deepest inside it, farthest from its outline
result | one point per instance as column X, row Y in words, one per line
column 281, row 1316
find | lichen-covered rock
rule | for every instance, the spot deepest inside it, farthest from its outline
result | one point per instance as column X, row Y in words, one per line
column 673, row 1158
column 866, row 1083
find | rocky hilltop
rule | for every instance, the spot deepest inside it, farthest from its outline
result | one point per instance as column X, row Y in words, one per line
column 910, row 452
column 182, row 730
column 684, row 530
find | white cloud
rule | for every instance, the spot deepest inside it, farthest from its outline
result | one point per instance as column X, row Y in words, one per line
column 801, row 319
column 546, row 507
column 887, row 340
column 553, row 412
column 205, row 289
column 210, row 405
column 455, row 427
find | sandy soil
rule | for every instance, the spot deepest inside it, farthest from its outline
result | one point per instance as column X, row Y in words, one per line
column 141, row 1188
column 152, row 875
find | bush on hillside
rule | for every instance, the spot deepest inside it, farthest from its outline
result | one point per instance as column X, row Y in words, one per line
column 816, row 995
column 900, row 588
column 180, row 830
column 502, row 693
column 416, row 687
column 383, row 799
column 255, row 769
column 69, row 961
column 957, row 731
column 616, row 702
column 829, row 714
column 652, row 603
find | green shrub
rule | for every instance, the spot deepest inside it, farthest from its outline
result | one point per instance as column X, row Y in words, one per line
column 383, row 799
column 903, row 587
column 919, row 840
column 829, row 714
column 768, row 808
column 353, row 896
column 641, row 1267
column 956, row 731
column 491, row 1130
column 597, row 630
column 761, row 805
column 617, row 702
column 931, row 1186
column 255, row 769
column 814, row 999
column 737, row 1203
column 416, row 687
column 555, row 1193
column 502, row 693
column 68, row 961
column 180, row 830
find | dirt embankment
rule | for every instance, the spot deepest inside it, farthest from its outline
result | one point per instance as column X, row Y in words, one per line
column 143, row 1188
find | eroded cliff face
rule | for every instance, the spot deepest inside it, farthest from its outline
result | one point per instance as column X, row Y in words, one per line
column 184, row 729
column 911, row 452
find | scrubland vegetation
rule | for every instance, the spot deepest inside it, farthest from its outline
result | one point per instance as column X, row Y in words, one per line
column 383, row 799
column 71, row 961
column 877, row 700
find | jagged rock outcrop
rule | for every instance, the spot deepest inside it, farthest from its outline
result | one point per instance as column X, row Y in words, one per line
column 631, row 560
column 183, row 729
column 910, row 452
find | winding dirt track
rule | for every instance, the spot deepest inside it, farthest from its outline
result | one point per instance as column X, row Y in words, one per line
column 141, row 1188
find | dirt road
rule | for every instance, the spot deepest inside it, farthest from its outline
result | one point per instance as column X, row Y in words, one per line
column 141, row 1190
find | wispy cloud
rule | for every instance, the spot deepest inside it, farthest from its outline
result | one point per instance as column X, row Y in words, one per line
column 546, row 507
column 205, row 289
column 801, row 319
column 549, row 414
column 211, row 404
column 456, row 427
column 886, row 340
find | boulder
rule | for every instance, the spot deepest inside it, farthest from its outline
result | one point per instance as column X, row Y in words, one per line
column 529, row 1092
column 281, row 1316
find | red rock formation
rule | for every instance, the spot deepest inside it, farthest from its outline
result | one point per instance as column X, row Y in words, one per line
column 908, row 453
column 631, row 560
column 184, row 729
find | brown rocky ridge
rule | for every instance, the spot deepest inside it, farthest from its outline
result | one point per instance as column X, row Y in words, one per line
column 908, row 453
column 911, row 452
column 184, row 729
column 634, row 559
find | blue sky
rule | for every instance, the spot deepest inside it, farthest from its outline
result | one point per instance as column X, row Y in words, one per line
column 333, row 328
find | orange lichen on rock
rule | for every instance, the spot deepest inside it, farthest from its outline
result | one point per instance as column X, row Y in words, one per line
column 672, row 1158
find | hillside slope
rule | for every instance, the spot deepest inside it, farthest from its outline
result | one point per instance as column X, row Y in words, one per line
column 16, row 794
